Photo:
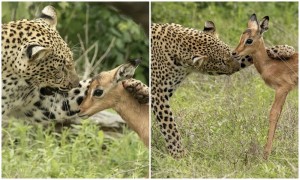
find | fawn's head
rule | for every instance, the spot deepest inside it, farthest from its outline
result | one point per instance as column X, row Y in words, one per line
column 252, row 39
column 105, row 88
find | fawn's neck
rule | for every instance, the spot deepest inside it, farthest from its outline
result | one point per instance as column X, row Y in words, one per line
column 260, row 57
column 135, row 114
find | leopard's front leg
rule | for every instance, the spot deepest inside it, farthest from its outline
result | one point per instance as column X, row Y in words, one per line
column 165, row 120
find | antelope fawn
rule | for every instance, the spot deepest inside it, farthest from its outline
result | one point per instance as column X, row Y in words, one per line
column 281, row 75
column 107, row 91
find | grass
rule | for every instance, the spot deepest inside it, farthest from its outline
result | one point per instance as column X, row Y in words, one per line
column 30, row 151
column 224, row 122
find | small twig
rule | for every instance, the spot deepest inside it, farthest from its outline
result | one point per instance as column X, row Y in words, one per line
column 90, row 65
column 95, row 53
column 82, row 46
column 87, row 26
column 14, row 12
column 86, row 60
column 105, row 54
column 88, row 50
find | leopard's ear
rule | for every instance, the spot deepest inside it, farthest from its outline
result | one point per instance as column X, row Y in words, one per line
column 49, row 15
column 36, row 52
column 199, row 58
column 209, row 27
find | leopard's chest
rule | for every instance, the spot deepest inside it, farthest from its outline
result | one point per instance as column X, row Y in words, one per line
column 16, row 94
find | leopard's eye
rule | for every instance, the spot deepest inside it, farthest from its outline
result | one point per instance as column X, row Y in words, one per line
column 59, row 74
column 249, row 41
column 98, row 92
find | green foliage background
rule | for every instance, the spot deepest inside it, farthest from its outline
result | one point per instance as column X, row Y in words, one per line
column 231, row 18
column 94, row 22
column 223, row 120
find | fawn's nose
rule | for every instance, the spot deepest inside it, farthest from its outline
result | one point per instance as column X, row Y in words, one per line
column 233, row 53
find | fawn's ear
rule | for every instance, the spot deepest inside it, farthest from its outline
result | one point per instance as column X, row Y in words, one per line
column 209, row 27
column 264, row 24
column 49, row 16
column 253, row 23
column 125, row 71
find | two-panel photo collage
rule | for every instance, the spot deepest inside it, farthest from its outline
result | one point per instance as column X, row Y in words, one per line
column 149, row 89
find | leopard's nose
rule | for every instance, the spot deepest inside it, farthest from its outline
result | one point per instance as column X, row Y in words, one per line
column 74, row 82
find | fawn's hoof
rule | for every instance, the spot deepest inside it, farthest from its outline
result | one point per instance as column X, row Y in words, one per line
column 266, row 155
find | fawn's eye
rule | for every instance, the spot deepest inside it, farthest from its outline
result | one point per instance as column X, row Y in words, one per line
column 249, row 41
column 98, row 92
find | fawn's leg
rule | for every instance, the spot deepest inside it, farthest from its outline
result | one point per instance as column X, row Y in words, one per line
column 280, row 96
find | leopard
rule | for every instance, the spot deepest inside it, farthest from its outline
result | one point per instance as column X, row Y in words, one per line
column 176, row 52
column 62, row 108
column 34, row 55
